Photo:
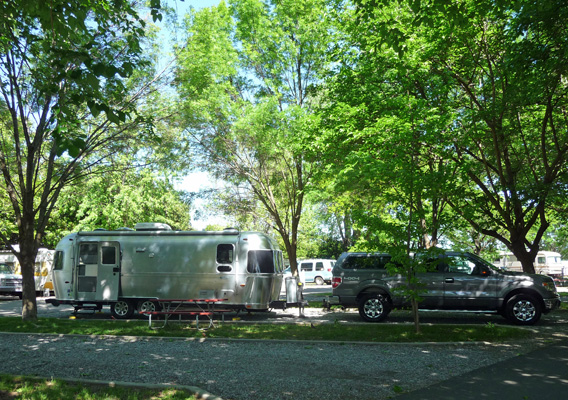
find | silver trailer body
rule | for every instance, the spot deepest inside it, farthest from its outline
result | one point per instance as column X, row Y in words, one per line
column 153, row 262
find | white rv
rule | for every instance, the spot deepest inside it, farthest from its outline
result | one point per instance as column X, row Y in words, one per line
column 42, row 270
column 546, row 263
column 130, row 270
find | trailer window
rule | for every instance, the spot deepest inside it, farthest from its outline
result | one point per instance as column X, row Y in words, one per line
column 88, row 253
column 109, row 255
column 225, row 254
column 58, row 260
column 260, row 262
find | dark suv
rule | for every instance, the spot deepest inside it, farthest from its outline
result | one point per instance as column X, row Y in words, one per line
column 456, row 281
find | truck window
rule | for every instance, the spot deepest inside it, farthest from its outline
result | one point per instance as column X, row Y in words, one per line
column 364, row 262
column 260, row 262
column 225, row 254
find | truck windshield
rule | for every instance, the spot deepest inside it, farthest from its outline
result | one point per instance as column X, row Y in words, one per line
column 260, row 262
column 5, row 269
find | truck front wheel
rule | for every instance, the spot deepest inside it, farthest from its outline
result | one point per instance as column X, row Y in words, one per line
column 523, row 309
column 374, row 307
column 122, row 309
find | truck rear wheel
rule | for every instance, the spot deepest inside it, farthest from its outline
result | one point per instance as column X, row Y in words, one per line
column 523, row 309
column 122, row 309
column 374, row 307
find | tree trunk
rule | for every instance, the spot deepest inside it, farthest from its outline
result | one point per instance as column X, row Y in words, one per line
column 525, row 257
column 415, row 315
column 26, row 257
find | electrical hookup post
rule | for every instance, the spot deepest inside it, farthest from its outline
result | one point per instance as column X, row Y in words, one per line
column 294, row 296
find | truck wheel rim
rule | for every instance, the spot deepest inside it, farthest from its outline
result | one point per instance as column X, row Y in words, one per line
column 524, row 310
column 373, row 308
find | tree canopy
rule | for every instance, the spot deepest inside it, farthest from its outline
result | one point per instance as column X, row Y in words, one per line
column 244, row 76
column 63, row 72
column 474, row 92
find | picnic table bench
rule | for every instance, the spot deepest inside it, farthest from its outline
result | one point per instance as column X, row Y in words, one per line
column 190, row 307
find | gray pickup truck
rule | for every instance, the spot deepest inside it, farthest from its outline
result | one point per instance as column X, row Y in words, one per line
column 458, row 281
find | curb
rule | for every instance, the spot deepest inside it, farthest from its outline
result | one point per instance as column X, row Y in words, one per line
column 285, row 341
column 197, row 392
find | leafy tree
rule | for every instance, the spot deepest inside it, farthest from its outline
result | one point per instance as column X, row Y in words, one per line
column 379, row 142
column 501, row 68
column 117, row 199
column 244, row 76
column 63, row 66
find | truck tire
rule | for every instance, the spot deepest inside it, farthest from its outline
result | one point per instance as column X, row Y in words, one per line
column 374, row 307
column 122, row 309
column 523, row 309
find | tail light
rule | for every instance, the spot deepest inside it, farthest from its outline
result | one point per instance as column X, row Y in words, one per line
column 335, row 281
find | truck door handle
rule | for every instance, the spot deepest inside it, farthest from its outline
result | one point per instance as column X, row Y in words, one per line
column 116, row 269
column 449, row 280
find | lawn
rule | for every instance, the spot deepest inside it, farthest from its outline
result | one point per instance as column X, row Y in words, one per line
column 338, row 332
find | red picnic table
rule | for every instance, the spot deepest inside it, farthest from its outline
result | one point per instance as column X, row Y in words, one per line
column 192, row 307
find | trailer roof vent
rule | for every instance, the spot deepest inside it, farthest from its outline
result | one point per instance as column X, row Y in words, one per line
column 152, row 226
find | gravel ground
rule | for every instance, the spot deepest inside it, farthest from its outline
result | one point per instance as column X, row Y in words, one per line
column 249, row 369
column 239, row 370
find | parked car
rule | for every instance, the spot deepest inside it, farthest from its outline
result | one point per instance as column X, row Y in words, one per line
column 457, row 281
column 317, row 270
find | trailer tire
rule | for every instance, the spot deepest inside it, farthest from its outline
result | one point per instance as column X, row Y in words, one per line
column 147, row 305
column 122, row 309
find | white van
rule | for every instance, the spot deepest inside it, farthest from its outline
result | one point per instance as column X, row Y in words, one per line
column 317, row 270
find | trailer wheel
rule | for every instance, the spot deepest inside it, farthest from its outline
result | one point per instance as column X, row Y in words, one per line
column 147, row 305
column 122, row 309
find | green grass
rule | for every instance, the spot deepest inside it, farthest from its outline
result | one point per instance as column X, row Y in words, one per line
column 15, row 387
column 319, row 332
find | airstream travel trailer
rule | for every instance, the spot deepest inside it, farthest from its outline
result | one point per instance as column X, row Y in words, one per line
column 130, row 269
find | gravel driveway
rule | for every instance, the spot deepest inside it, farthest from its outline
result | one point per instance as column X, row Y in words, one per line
column 248, row 369
column 239, row 370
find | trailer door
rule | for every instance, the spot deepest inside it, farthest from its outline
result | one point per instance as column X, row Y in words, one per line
column 108, row 276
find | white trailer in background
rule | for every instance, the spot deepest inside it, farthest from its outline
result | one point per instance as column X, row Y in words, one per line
column 546, row 263
column 130, row 270
column 43, row 268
